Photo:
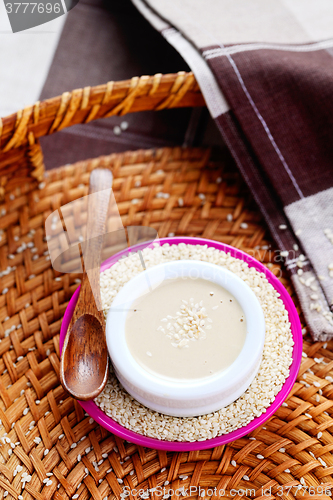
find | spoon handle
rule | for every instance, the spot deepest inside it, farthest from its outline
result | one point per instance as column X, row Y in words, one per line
column 98, row 203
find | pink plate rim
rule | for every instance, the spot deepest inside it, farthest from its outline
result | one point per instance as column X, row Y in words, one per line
column 101, row 418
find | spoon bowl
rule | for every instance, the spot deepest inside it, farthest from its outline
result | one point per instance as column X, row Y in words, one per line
column 88, row 357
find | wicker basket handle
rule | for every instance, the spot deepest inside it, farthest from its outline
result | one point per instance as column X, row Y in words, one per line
column 91, row 103
column 20, row 153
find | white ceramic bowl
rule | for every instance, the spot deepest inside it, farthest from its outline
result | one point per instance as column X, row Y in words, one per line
column 185, row 398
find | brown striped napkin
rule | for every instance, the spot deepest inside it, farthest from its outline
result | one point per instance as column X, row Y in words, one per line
column 265, row 68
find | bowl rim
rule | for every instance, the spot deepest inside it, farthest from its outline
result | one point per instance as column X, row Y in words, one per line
column 218, row 389
column 107, row 422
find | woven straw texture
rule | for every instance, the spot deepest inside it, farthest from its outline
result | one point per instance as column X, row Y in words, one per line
column 21, row 156
column 43, row 431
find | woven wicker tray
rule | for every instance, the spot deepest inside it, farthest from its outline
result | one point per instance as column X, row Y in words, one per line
column 51, row 431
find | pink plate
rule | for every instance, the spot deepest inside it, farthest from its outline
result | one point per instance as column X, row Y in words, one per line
column 99, row 416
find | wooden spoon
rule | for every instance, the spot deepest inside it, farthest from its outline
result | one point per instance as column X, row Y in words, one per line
column 84, row 360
